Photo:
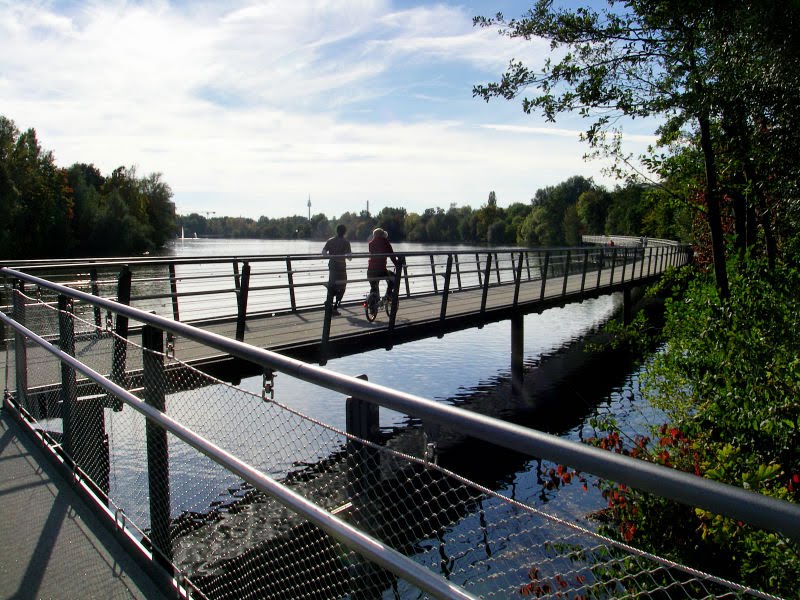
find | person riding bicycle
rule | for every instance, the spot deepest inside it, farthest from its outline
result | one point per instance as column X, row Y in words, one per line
column 376, row 267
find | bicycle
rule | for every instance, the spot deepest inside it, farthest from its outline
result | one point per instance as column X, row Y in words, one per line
column 374, row 302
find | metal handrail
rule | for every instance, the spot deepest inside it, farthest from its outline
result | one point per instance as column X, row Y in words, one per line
column 750, row 507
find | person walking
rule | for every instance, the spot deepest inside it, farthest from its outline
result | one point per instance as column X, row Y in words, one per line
column 337, row 248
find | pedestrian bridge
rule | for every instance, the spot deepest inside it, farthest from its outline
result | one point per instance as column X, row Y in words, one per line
column 222, row 492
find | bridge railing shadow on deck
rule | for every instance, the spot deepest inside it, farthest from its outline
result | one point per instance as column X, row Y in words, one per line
column 237, row 495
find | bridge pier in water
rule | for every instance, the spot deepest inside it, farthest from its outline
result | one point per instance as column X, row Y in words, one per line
column 517, row 353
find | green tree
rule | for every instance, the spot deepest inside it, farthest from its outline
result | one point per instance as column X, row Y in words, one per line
column 592, row 209
column 637, row 58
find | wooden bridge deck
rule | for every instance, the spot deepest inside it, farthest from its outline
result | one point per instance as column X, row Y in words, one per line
column 299, row 334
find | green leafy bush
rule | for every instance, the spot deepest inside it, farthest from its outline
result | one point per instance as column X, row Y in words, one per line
column 729, row 381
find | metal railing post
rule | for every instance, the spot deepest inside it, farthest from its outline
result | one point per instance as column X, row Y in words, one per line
column 544, row 273
column 21, row 349
column 613, row 264
column 567, row 260
column 405, row 277
column 518, row 277
column 173, row 291
column 236, row 275
column 624, row 263
column 120, row 350
column 446, row 290
column 585, row 267
column 290, row 279
column 641, row 264
column 241, row 301
column 69, row 386
column 478, row 269
column 600, row 264
column 433, row 275
column 486, row 281
column 98, row 317
column 395, row 294
column 155, row 386
column 497, row 268
column 458, row 272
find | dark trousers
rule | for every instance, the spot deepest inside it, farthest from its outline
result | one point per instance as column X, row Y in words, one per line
column 375, row 275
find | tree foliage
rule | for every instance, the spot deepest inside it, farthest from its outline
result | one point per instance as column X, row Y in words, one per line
column 721, row 76
column 48, row 211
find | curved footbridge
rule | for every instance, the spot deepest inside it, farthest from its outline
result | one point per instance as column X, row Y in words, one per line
column 279, row 302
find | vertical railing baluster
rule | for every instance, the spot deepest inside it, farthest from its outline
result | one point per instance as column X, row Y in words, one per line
column 624, row 263
column 236, row 276
column 98, row 317
column 241, row 301
column 21, row 349
column 544, row 273
column 641, row 264
column 405, row 276
column 120, row 348
column 486, row 277
column 478, row 269
column 497, row 268
column 433, row 275
column 458, row 271
column 173, row 291
column 600, row 264
column 400, row 268
column 155, row 386
column 69, row 386
column 585, row 267
column 528, row 263
column 446, row 290
column 613, row 264
column 290, row 278
column 567, row 260
column 518, row 278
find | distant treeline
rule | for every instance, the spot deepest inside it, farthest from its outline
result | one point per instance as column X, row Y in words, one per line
column 555, row 216
column 48, row 211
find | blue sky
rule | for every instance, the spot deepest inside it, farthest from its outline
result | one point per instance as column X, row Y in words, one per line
column 248, row 107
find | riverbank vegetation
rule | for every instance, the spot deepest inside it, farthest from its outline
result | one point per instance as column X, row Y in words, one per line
column 555, row 216
column 51, row 212
column 723, row 82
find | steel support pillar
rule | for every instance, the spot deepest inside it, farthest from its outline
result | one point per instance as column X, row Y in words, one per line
column 517, row 353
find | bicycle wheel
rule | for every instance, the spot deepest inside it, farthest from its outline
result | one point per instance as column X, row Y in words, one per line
column 388, row 305
column 371, row 307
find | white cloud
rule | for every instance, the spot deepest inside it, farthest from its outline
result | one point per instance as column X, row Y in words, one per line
column 247, row 107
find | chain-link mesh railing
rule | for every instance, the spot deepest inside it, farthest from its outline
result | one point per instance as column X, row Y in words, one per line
column 231, row 540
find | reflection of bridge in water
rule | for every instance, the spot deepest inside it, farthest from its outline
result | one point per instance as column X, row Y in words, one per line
column 323, row 512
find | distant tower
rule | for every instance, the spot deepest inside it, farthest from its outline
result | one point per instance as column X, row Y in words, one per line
column 309, row 207
column 367, row 206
